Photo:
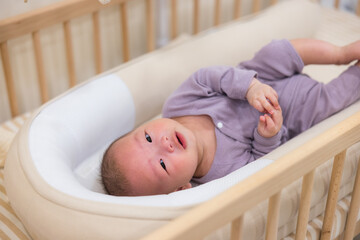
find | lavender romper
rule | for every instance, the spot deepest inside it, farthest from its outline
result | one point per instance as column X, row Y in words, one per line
column 219, row 92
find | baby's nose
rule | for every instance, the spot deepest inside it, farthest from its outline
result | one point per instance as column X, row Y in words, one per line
column 167, row 144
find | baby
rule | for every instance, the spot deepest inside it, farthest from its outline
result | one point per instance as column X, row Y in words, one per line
column 222, row 118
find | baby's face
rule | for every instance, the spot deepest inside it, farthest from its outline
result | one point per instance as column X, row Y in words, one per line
column 158, row 157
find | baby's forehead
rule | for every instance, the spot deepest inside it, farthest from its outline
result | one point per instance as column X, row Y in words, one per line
column 123, row 142
column 126, row 145
column 124, row 138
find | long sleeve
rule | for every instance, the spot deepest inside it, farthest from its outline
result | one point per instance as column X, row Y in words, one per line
column 275, row 61
column 262, row 145
column 229, row 81
column 210, row 83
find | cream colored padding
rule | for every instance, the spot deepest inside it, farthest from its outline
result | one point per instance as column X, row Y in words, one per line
column 46, row 210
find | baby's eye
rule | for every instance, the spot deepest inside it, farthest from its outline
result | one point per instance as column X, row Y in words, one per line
column 162, row 164
column 148, row 138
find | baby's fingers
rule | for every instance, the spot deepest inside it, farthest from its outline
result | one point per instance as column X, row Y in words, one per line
column 273, row 98
column 269, row 123
column 262, row 121
column 258, row 106
column 266, row 126
column 262, row 126
column 277, row 117
column 267, row 105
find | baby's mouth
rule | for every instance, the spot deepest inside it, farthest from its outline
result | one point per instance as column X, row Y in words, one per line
column 181, row 139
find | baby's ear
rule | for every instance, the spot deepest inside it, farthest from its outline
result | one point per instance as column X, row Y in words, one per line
column 186, row 186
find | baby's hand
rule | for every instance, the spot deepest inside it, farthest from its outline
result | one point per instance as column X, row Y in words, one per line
column 270, row 125
column 262, row 97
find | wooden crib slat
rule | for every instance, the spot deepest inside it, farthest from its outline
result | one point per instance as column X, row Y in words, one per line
column 125, row 32
column 237, row 9
column 237, row 228
column 256, row 6
column 334, row 188
column 358, row 8
column 273, row 217
column 196, row 17
column 69, row 54
column 150, row 25
column 354, row 207
column 217, row 12
column 173, row 19
column 337, row 4
column 304, row 208
column 40, row 67
column 273, row 2
column 97, row 43
column 9, row 79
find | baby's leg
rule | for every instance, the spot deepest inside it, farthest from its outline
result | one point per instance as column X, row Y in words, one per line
column 323, row 100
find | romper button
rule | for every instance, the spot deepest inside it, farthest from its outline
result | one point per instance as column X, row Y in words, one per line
column 219, row 124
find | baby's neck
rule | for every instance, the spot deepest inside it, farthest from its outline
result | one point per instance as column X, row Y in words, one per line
column 204, row 130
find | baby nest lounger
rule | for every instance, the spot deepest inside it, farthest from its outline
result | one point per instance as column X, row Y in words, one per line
column 52, row 171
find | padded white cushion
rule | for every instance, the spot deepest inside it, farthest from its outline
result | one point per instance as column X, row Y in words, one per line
column 76, row 128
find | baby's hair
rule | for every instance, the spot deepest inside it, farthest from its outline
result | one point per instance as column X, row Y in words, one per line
column 113, row 180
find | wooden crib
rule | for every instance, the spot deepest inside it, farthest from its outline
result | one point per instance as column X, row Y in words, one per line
column 232, row 204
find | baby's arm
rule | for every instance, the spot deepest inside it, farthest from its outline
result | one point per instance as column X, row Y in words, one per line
column 314, row 51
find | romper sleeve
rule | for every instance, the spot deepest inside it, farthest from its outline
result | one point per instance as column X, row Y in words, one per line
column 211, row 82
column 277, row 60
column 262, row 145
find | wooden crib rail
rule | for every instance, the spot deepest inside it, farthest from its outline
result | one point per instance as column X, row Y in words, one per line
column 268, row 183
column 63, row 12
